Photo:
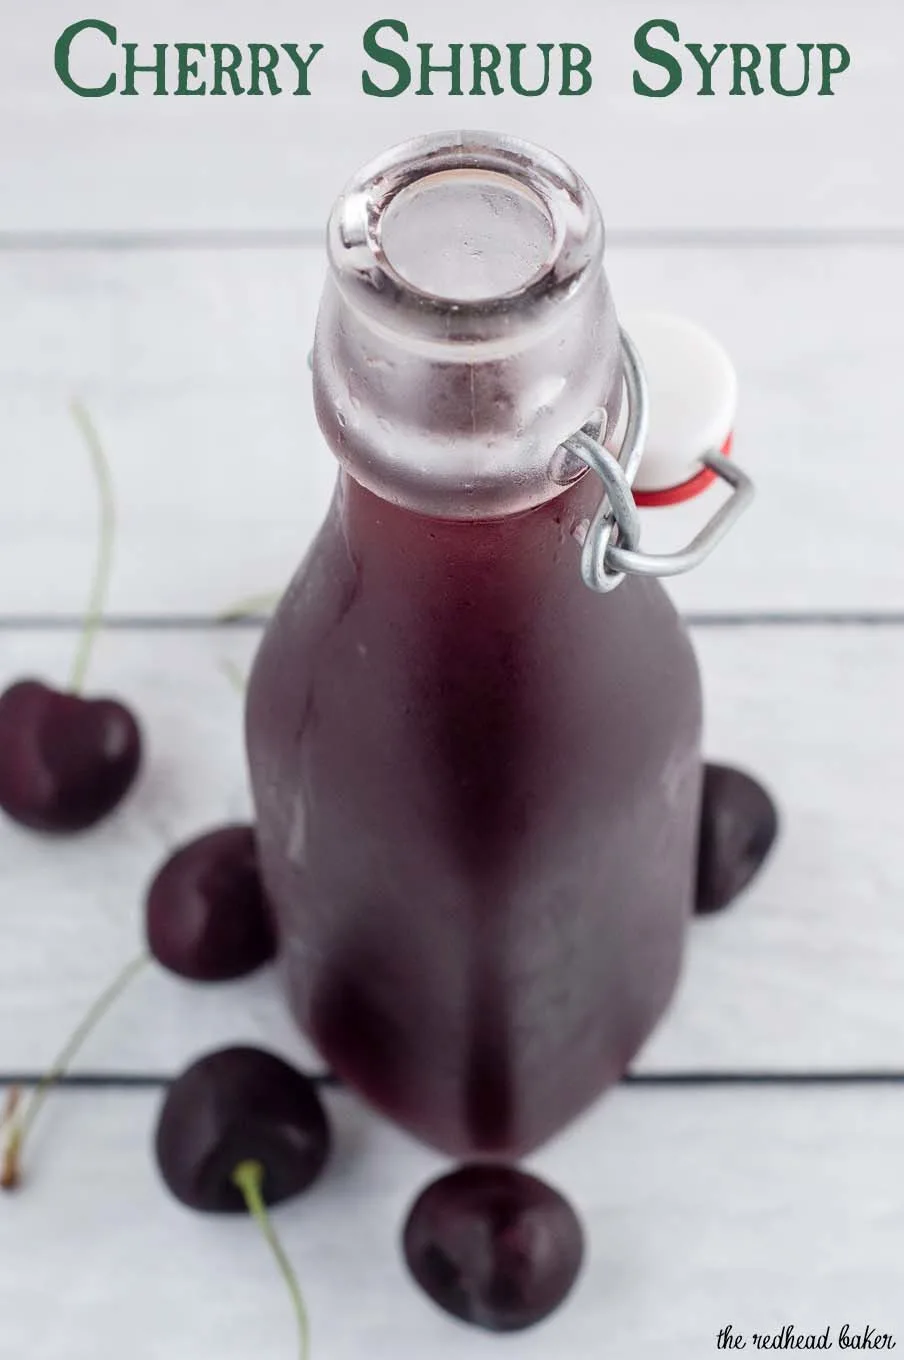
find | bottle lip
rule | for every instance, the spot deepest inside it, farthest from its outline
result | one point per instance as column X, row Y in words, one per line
column 374, row 286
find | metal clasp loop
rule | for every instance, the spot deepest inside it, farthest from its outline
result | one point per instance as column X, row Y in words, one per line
column 700, row 547
column 611, row 546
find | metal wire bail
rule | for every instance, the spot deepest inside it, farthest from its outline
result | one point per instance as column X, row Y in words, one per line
column 611, row 546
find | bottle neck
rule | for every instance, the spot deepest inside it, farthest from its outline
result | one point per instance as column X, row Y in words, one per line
column 466, row 328
column 422, row 554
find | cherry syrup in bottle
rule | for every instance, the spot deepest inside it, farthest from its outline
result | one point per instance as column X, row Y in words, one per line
column 476, row 781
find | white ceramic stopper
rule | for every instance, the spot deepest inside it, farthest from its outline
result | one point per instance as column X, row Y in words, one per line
column 693, row 391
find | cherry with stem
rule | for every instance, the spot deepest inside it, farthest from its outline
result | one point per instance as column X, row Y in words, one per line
column 241, row 1130
column 206, row 919
column 66, row 761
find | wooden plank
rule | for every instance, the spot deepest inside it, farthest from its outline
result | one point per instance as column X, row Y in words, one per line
column 808, row 970
column 681, row 162
column 701, row 1209
column 193, row 363
column 806, row 973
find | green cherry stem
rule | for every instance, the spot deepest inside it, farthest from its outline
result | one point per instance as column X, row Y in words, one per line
column 10, row 1105
column 234, row 674
column 105, row 545
column 249, row 1177
column 250, row 606
column 20, row 1121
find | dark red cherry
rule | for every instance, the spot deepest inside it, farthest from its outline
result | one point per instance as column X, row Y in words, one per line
column 65, row 762
column 234, row 1106
column 738, row 827
column 494, row 1246
column 206, row 916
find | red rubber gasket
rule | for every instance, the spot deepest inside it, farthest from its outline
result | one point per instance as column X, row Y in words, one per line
column 675, row 495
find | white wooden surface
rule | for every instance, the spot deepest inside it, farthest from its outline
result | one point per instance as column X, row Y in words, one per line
column 209, row 422
column 755, row 1208
column 806, row 974
column 145, row 265
column 146, row 164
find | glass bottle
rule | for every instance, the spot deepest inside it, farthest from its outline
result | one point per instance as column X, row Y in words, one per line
column 476, row 781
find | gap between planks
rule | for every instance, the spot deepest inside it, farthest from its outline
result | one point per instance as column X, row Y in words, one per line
column 48, row 623
column 79, row 1081
column 314, row 238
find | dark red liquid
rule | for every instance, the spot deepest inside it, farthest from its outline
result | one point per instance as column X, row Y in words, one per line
column 477, row 787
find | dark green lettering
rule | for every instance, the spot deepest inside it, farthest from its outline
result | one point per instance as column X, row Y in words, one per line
column 189, row 68
column 222, row 67
column 133, row 68
column 748, row 68
column 63, row 50
column 427, row 68
column 515, row 50
column 775, row 68
column 706, row 66
column 571, row 67
column 657, row 57
column 385, row 56
column 828, row 70
column 489, row 69
column 264, row 59
column 302, row 64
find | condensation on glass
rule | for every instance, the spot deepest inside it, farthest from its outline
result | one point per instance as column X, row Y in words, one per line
column 466, row 327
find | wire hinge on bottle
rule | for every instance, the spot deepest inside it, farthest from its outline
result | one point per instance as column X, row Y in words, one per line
column 611, row 548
